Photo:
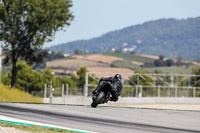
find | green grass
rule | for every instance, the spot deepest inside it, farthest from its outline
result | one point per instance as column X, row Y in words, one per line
column 34, row 129
column 131, row 57
column 124, row 64
column 127, row 60
column 15, row 95
column 172, row 70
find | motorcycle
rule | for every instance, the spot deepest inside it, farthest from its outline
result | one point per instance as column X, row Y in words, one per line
column 103, row 96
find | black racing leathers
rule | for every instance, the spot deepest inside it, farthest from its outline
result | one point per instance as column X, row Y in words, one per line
column 115, row 84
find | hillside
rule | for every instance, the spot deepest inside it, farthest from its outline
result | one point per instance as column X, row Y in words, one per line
column 168, row 37
column 74, row 62
column 114, row 62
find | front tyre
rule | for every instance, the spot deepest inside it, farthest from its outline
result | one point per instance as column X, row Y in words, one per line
column 98, row 99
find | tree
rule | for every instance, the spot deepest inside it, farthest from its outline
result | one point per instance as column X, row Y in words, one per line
column 81, row 77
column 195, row 81
column 27, row 24
column 179, row 61
column 81, row 73
column 159, row 63
column 6, row 78
column 161, row 57
column 67, row 80
column 140, row 79
column 27, row 78
column 144, row 80
column 48, row 77
column 169, row 62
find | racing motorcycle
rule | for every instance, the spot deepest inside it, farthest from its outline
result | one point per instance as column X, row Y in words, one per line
column 103, row 96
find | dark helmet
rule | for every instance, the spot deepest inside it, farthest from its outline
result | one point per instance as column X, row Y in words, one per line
column 118, row 77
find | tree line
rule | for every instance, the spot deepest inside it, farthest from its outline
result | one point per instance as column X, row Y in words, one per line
column 30, row 80
column 163, row 62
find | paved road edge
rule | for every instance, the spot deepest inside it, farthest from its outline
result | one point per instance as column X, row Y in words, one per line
column 30, row 123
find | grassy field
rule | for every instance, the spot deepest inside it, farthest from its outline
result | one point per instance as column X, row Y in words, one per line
column 98, row 58
column 116, row 60
column 128, row 60
column 124, row 64
column 34, row 129
column 75, row 63
column 131, row 57
column 15, row 95
column 172, row 70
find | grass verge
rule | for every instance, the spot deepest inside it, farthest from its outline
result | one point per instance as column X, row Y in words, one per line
column 15, row 95
column 34, row 129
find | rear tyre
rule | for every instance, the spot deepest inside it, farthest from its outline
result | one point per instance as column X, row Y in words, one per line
column 98, row 99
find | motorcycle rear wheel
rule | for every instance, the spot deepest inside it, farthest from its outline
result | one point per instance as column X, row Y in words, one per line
column 98, row 99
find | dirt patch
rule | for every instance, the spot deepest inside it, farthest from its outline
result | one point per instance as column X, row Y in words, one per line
column 192, row 62
column 149, row 56
column 110, row 71
column 98, row 58
column 10, row 130
column 137, row 63
column 76, row 63
column 195, row 63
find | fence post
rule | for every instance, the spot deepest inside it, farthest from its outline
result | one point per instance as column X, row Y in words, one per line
column 141, row 90
column 63, row 95
column 45, row 90
column 176, row 91
column 67, row 92
column 51, row 95
column 136, row 94
column 138, row 79
column 158, row 91
column 63, row 90
column 194, row 92
column 188, row 84
column 86, row 85
column 172, row 80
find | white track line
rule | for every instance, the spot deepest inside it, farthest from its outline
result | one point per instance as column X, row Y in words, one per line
column 25, row 122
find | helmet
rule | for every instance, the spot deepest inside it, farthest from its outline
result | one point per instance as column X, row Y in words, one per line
column 118, row 77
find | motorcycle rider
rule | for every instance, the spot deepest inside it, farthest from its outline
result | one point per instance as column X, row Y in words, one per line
column 115, row 84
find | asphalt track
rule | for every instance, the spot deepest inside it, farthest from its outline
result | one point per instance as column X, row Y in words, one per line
column 106, row 119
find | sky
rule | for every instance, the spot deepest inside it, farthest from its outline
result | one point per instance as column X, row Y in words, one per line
column 93, row 18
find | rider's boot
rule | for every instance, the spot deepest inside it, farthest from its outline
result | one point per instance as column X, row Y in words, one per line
column 115, row 99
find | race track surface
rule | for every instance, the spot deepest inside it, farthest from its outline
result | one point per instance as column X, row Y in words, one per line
column 106, row 119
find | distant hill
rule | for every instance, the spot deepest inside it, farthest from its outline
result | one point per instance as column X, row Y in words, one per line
column 169, row 37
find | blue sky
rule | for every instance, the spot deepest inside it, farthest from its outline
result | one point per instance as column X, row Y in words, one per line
column 96, row 17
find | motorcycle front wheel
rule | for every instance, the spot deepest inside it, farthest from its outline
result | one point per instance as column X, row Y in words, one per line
column 98, row 99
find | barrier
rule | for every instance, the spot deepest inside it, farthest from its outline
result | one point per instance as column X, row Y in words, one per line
column 82, row 100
